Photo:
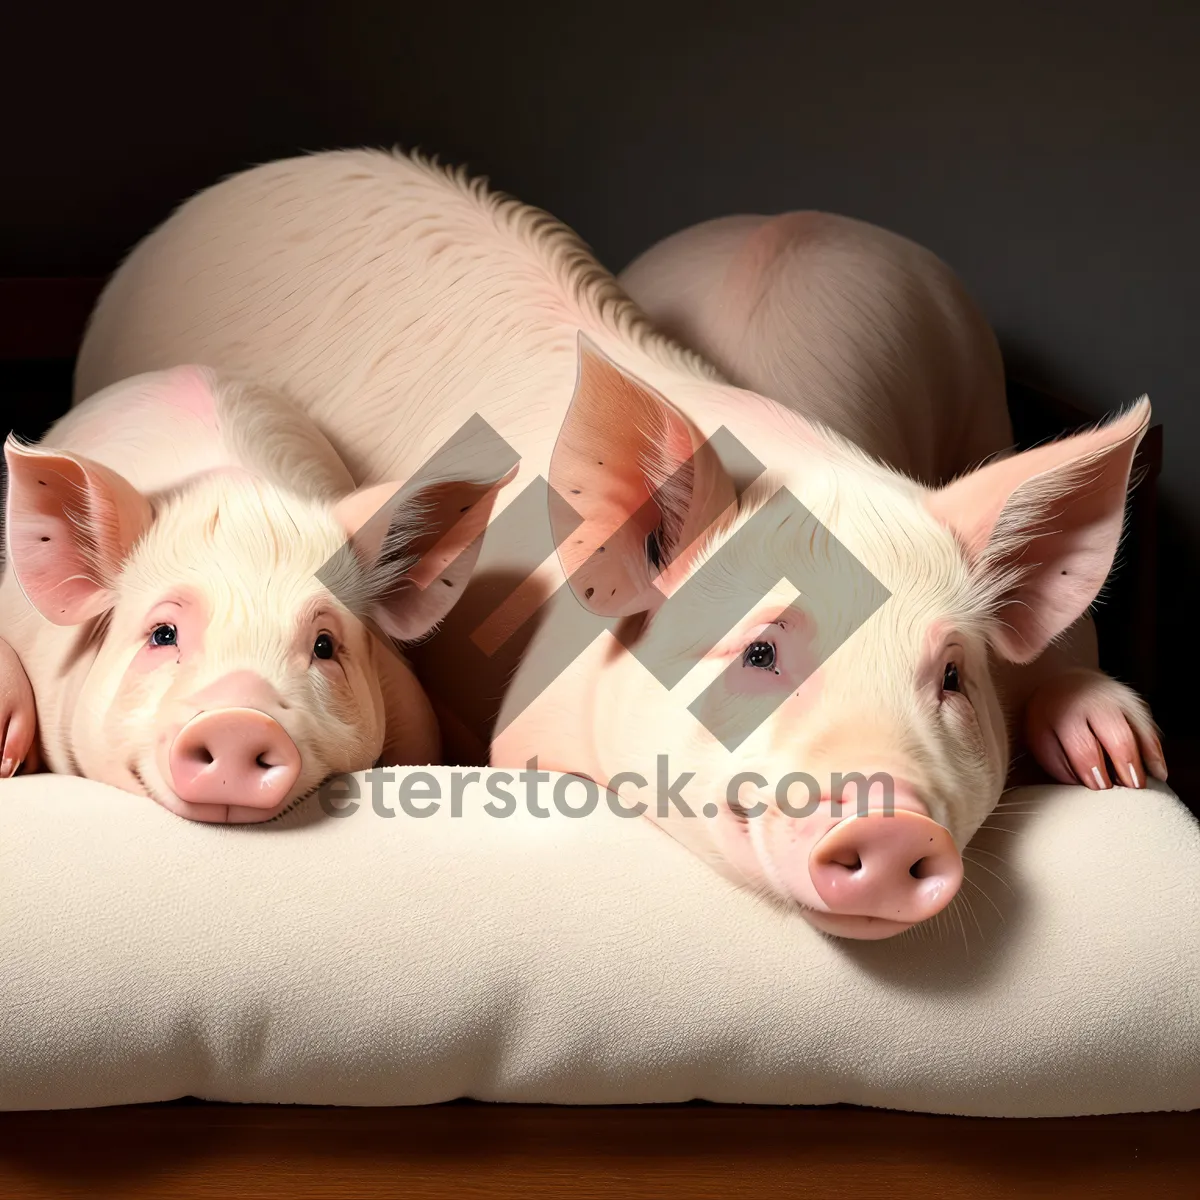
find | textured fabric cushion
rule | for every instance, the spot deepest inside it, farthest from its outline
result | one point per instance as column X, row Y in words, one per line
column 363, row 960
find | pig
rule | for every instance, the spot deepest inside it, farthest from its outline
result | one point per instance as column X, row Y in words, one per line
column 394, row 301
column 741, row 291
column 167, row 628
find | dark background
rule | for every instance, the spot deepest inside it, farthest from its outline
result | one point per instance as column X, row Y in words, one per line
column 1049, row 152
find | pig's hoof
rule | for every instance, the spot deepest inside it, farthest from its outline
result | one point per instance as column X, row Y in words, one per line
column 18, row 720
column 1084, row 727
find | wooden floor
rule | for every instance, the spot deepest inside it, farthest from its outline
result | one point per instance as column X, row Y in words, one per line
column 468, row 1150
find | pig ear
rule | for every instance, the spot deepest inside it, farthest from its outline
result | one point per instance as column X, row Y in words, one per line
column 1042, row 527
column 70, row 524
column 420, row 547
column 629, row 469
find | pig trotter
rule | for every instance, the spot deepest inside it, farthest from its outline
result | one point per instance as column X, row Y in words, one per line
column 18, row 721
column 1084, row 727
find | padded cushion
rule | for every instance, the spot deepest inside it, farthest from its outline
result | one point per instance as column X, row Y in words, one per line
column 369, row 960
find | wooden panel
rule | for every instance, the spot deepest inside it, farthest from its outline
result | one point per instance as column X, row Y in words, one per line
column 465, row 1150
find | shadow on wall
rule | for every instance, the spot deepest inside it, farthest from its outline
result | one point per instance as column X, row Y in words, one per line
column 1156, row 576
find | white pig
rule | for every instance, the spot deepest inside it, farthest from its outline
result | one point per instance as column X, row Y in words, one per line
column 746, row 292
column 394, row 301
column 166, row 630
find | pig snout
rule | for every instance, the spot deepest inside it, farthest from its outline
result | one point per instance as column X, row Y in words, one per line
column 234, row 756
column 870, row 874
column 903, row 867
column 232, row 751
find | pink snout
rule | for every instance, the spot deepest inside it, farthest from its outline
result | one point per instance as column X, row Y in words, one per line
column 900, row 867
column 235, row 756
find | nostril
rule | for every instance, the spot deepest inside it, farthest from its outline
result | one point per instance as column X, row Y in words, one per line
column 922, row 868
column 849, row 860
column 199, row 754
column 262, row 764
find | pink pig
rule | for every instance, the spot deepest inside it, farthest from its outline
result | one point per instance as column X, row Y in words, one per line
column 161, row 601
column 393, row 302
column 744, row 291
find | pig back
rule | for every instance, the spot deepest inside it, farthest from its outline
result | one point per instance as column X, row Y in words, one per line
column 848, row 324
column 162, row 428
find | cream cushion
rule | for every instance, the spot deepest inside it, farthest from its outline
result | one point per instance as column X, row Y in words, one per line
column 367, row 960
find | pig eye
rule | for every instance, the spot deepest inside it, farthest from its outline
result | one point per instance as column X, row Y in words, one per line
column 950, row 678
column 164, row 635
column 323, row 646
column 760, row 655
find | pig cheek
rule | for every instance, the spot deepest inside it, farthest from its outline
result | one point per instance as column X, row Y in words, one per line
column 732, row 839
column 975, row 768
column 624, row 694
column 117, row 709
column 368, row 719
column 990, row 730
column 348, row 732
column 151, row 677
column 154, row 658
column 778, row 707
column 994, row 730
column 793, row 715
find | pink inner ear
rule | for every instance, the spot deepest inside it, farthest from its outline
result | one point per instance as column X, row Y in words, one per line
column 599, row 463
column 627, row 464
column 441, row 526
column 70, row 524
column 1053, row 513
column 462, row 510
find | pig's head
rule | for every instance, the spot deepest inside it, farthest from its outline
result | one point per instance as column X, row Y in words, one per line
column 843, row 648
column 232, row 645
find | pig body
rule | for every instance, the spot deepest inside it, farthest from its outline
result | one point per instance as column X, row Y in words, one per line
column 875, row 337
column 846, row 324
column 162, row 606
column 393, row 302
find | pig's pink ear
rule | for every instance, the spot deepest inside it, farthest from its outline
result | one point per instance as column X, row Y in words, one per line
column 70, row 524
column 1042, row 527
column 420, row 547
column 634, row 487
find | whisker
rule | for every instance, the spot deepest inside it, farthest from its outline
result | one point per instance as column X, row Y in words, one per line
column 983, row 892
column 980, row 850
column 999, row 878
column 971, row 912
column 963, row 930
